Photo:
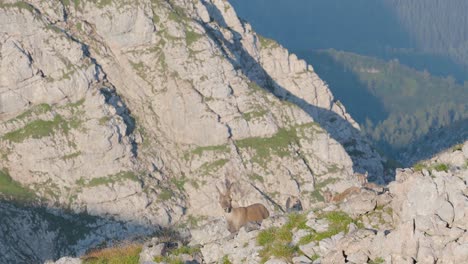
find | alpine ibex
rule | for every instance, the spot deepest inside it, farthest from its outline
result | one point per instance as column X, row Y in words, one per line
column 330, row 198
column 239, row 216
column 362, row 178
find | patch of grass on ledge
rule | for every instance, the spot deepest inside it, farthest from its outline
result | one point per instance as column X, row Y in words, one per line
column 192, row 37
column 13, row 189
column 173, row 256
column 266, row 147
column 437, row 167
column 266, row 42
column 338, row 222
column 276, row 241
column 19, row 5
column 38, row 129
column 127, row 254
column 110, row 179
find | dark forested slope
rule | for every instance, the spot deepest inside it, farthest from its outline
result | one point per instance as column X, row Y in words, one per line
column 397, row 106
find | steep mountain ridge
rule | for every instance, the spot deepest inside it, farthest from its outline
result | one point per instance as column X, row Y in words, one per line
column 134, row 111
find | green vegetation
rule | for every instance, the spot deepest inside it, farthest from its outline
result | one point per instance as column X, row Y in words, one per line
column 419, row 166
column 214, row 166
column 194, row 221
column 192, row 37
column 102, row 3
column 225, row 260
column 266, row 42
column 72, row 155
column 438, row 167
column 108, row 180
column 254, row 115
column 338, row 222
column 12, row 189
column 264, row 148
column 44, row 128
column 179, row 183
column 378, row 260
column 20, row 5
column 165, row 194
column 35, row 110
column 277, row 241
column 128, row 254
column 441, row 167
column 220, row 148
column 278, row 144
column 37, row 129
column 316, row 194
column 140, row 69
column 173, row 256
column 256, row 177
column 104, row 120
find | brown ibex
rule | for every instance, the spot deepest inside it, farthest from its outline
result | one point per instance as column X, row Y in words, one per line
column 362, row 178
column 340, row 197
column 239, row 216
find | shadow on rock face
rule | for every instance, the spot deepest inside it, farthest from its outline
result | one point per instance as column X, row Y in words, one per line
column 34, row 234
column 337, row 127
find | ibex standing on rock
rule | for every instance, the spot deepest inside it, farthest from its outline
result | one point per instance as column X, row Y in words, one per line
column 362, row 178
column 240, row 216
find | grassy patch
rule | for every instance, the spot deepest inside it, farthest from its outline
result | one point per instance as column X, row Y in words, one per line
column 276, row 242
column 419, row 167
column 71, row 156
column 278, row 144
column 192, row 37
column 225, row 260
column 194, row 221
column 208, row 167
column 107, row 180
column 220, row 148
column 338, row 222
column 36, row 129
column 266, row 42
column 266, row 147
column 173, row 256
column 19, row 5
column 256, row 177
column 441, row 167
column 104, row 120
column 13, row 189
column 179, row 183
column 128, row 254
column 165, row 194
column 37, row 110
column 42, row 128
column 254, row 115
column 102, row 3
column 437, row 167
column 378, row 260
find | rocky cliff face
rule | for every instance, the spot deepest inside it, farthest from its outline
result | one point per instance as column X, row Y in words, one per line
column 133, row 111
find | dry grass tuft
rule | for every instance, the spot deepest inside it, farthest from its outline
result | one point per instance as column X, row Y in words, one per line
column 121, row 254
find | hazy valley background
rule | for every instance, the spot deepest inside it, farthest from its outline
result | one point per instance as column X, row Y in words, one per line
column 399, row 67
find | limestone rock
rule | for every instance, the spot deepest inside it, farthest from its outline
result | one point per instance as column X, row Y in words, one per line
column 65, row 260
